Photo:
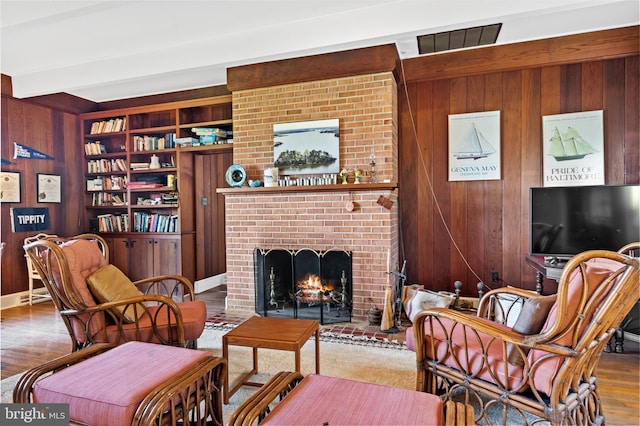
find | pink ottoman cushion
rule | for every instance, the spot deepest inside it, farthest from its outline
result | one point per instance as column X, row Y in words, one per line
column 329, row 400
column 107, row 389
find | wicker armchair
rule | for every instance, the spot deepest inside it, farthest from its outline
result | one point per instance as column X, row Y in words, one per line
column 549, row 371
column 159, row 309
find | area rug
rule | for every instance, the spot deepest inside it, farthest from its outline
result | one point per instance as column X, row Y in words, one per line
column 358, row 358
column 351, row 357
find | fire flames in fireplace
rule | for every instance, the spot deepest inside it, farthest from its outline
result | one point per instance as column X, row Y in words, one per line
column 304, row 284
column 311, row 290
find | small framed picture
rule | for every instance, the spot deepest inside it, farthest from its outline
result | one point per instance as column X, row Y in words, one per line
column 474, row 146
column 10, row 187
column 49, row 188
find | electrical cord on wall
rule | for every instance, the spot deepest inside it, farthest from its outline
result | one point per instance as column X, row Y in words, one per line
column 430, row 184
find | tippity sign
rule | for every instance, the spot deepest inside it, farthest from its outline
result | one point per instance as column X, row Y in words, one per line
column 27, row 219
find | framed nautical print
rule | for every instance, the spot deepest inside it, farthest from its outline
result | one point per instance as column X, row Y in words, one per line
column 573, row 149
column 474, row 146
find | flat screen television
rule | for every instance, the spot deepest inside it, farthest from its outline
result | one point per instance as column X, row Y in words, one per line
column 569, row 220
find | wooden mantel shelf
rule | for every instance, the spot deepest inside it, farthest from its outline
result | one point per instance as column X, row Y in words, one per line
column 246, row 190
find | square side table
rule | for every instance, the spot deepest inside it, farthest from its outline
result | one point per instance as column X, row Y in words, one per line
column 284, row 334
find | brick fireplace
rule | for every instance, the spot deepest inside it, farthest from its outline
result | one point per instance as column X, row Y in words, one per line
column 317, row 217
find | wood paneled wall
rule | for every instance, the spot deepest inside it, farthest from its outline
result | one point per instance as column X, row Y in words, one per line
column 464, row 230
column 55, row 133
column 487, row 220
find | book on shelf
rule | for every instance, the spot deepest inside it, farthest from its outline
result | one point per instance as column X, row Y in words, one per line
column 94, row 148
column 110, row 183
column 108, row 126
column 170, row 199
column 143, row 185
column 212, row 139
column 114, row 183
column 106, row 165
column 95, row 184
column 119, row 164
column 113, row 222
column 155, row 222
column 108, row 199
column 187, row 141
column 152, row 143
column 139, row 166
column 118, row 200
column 209, row 131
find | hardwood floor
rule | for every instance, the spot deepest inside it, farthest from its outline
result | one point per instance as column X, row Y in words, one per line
column 32, row 335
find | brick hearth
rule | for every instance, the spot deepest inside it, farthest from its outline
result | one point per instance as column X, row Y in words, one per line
column 304, row 218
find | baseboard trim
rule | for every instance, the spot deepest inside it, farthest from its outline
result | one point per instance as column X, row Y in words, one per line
column 210, row 282
column 22, row 298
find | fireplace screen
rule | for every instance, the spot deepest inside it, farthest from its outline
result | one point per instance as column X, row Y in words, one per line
column 304, row 284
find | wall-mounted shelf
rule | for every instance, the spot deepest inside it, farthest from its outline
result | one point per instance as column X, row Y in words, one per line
column 387, row 186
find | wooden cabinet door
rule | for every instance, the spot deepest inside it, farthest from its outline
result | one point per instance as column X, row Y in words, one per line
column 119, row 254
column 141, row 257
column 166, row 256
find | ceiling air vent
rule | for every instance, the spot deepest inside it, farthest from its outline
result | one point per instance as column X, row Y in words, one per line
column 458, row 39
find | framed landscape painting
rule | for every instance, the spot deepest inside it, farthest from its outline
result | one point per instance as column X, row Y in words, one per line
column 307, row 147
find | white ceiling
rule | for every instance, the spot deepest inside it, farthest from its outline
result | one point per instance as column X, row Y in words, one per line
column 105, row 50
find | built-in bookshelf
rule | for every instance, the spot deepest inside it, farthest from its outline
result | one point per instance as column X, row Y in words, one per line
column 134, row 181
column 131, row 158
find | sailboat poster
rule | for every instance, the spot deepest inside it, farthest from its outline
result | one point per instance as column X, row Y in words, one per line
column 474, row 146
column 573, row 149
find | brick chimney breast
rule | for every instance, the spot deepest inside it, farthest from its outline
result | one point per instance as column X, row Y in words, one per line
column 366, row 107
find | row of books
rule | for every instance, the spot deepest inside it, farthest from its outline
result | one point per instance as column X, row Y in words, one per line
column 202, row 140
column 94, row 148
column 108, row 199
column 107, row 183
column 106, row 165
column 152, row 143
column 155, row 222
column 107, row 126
column 211, row 131
column 113, row 222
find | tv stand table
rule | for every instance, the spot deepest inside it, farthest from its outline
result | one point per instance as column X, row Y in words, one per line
column 544, row 270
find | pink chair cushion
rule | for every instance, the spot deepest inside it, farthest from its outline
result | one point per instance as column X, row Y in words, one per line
column 194, row 316
column 84, row 257
column 328, row 400
column 473, row 363
column 597, row 270
column 107, row 389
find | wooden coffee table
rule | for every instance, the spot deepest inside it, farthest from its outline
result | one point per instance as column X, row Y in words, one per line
column 284, row 334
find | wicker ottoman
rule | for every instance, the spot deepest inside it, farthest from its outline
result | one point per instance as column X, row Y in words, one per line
column 135, row 383
column 317, row 400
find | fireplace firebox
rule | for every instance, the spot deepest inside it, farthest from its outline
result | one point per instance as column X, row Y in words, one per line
column 304, row 284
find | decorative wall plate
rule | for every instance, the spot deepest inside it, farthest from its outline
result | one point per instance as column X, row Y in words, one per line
column 235, row 175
